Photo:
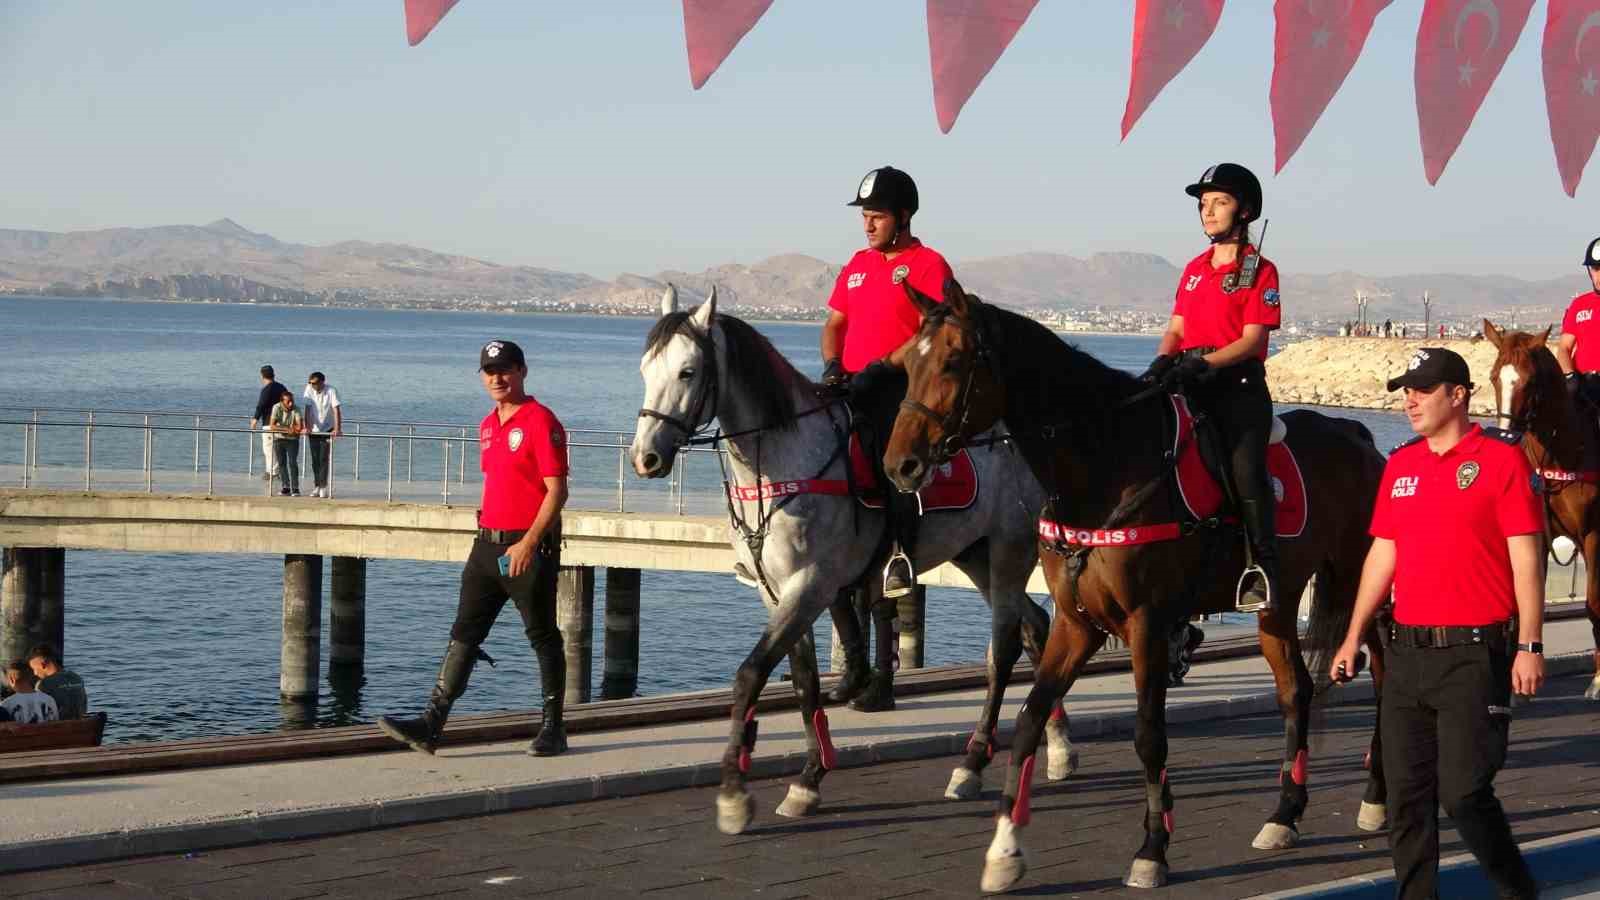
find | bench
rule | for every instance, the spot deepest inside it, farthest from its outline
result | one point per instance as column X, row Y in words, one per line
column 16, row 737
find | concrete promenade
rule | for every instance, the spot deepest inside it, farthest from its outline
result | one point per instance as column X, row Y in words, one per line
column 59, row 823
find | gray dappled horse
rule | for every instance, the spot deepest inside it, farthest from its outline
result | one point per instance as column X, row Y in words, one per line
column 702, row 366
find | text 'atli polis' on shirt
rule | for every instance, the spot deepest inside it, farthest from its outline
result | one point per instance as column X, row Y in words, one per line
column 1582, row 321
column 517, row 455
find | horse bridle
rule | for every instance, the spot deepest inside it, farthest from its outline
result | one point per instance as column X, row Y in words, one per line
column 953, row 425
column 698, row 420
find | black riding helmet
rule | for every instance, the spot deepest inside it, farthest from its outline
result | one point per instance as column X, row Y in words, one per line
column 1236, row 181
column 887, row 190
column 1591, row 256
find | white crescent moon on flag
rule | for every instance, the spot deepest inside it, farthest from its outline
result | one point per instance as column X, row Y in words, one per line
column 1590, row 21
column 1488, row 10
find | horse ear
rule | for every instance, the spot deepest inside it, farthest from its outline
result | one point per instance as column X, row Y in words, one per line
column 669, row 300
column 921, row 301
column 1492, row 333
column 706, row 311
column 1544, row 337
column 954, row 296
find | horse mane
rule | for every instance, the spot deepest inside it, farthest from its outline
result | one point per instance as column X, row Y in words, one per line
column 1047, row 376
column 764, row 373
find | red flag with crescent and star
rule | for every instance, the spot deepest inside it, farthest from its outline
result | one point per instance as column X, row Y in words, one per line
column 422, row 15
column 965, row 39
column 1316, row 46
column 1166, row 35
column 1572, row 85
column 712, row 28
column 1461, row 47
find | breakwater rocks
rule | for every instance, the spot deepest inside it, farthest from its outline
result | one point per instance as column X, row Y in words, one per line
column 1354, row 371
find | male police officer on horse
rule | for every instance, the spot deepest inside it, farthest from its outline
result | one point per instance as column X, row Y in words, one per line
column 1578, row 351
column 869, row 318
column 1459, row 533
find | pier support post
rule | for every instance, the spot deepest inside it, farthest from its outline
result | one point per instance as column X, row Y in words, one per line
column 910, row 612
column 575, row 618
column 347, row 614
column 32, row 600
column 621, row 675
column 300, row 653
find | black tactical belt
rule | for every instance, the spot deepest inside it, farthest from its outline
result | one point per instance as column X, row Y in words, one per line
column 1438, row 637
column 496, row 536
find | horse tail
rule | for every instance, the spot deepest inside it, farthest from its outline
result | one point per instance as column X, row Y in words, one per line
column 1332, row 607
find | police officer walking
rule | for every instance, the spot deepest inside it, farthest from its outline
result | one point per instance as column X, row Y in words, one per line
column 1578, row 351
column 516, row 555
column 1459, row 535
column 870, row 317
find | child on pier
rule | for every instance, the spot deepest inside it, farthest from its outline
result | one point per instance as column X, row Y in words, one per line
column 286, row 424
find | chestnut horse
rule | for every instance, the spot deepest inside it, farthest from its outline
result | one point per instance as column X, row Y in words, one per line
column 1097, row 439
column 1562, row 445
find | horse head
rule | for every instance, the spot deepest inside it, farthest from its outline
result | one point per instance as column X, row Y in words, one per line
column 951, row 393
column 681, row 381
column 1526, row 378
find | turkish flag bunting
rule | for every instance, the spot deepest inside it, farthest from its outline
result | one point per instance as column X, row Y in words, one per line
column 1166, row 35
column 1461, row 46
column 422, row 15
column 712, row 28
column 965, row 38
column 1572, row 84
column 1316, row 47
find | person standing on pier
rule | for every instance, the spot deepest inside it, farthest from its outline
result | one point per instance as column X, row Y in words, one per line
column 1578, row 351
column 285, row 424
column 271, row 390
column 517, row 553
column 324, row 422
column 1458, row 533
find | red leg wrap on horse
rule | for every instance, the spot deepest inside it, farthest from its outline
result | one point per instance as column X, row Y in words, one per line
column 1059, row 713
column 1298, row 773
column 1169, row 822
column 748, row 743
column 1366, row 761
column 1021, row 810
column 819, row 721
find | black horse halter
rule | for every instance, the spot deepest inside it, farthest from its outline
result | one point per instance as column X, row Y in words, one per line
column 953, row 425
column 699, row 420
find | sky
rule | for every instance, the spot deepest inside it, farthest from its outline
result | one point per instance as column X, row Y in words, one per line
column 566, row 135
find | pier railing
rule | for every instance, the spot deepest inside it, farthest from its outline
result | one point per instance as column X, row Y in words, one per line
column 419, row 462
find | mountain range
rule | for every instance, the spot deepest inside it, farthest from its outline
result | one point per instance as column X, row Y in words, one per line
column 224, row 260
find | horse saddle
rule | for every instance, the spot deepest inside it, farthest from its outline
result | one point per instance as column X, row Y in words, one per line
column 1199, row 474
column 954, row 484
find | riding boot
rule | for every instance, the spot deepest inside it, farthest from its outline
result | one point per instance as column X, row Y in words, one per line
column 1258, row 587
column 857, row 670
column 552, row 737
column 423, row 732
column 899, row 576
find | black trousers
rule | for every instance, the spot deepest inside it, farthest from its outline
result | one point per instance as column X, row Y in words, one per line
column 1237, row 399
column 1445, row 724
column 484, row 592
column 875, row 394
column 320, row 446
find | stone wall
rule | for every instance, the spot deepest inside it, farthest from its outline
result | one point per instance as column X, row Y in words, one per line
column 1353, row 371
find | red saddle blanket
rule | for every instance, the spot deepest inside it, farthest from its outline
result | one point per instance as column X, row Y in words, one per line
column 1202, row 493
column 954, row 484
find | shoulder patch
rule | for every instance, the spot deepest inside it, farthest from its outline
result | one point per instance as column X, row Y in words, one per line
column 1503, row 435
column 1404, row 444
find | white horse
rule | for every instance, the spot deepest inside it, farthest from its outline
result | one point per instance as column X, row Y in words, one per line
column 806, row 547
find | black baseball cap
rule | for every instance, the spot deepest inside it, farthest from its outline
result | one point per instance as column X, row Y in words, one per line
column 501, row 354
column 1433, row 365
column 1591, row 256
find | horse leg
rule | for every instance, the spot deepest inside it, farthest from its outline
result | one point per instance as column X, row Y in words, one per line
column 805, row 792
column 1280, row 645
column 1147, row 639
column 1071, row 644
column 1374, row 813
column 879, row 695
column 1591, row 562
column 1034, row 631
column 735, row 806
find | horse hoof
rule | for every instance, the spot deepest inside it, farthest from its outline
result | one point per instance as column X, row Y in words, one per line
column 1593, row 692
column 1273, row 836
column 801, row 802
column 1006, row 863
column 1372, row 817
column 965, row 784
column 1146, row 873
column 734, row 814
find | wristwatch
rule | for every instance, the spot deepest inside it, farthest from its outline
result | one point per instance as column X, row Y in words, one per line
column 1535, row 647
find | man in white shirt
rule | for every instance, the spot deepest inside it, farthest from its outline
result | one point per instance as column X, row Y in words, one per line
column 324, row 422
column 28, row 705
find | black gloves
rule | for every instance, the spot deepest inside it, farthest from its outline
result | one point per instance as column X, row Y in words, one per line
column 1191, row 369
column 1159, row 367
column 835, row 381
column 1574, row 386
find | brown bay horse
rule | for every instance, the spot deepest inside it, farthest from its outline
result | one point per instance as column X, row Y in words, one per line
column 1562, row 445
column 1097, row 439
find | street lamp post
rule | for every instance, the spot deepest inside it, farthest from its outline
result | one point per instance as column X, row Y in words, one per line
column 1427, row 314
column 1361, row 309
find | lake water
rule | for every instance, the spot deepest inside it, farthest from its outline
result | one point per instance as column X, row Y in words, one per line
column 187, row 645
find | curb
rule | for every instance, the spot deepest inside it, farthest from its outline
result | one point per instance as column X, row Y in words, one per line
column 254, row 828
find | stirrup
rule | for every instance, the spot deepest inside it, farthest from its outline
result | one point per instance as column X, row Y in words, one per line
column 902, row 588
column 1239, row 602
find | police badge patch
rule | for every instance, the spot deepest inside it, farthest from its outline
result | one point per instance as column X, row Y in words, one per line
column 1466, row 474
column 514, row 440
column 900, row 273
column 1270, row 297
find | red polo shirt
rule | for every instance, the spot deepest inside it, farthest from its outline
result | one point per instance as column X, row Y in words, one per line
column 1582, row 321
column 1449, row 515
column 517, row 456
column 879, row 317
column 1213, row 317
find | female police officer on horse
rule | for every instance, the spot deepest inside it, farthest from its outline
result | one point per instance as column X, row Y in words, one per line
column 1216, row 345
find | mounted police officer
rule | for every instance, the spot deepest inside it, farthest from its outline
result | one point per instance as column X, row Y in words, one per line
column 1216, row 345
column 1578, row 351
column 869, row 318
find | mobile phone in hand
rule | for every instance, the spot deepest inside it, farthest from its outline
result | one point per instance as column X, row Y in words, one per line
column 505, row 565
